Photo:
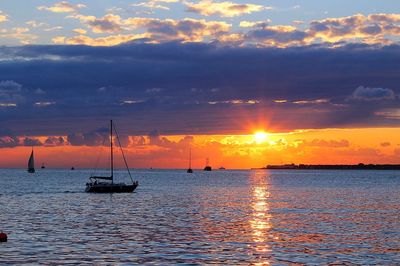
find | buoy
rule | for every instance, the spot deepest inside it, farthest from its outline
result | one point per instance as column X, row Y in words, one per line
column 3, row 237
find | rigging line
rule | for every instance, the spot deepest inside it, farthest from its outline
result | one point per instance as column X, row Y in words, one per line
column 98, row 157
column 123, row 155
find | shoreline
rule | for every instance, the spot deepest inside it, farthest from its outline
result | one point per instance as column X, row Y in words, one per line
column 359, row 166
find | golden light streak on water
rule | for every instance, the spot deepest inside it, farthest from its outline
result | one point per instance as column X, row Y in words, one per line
column 260, row 221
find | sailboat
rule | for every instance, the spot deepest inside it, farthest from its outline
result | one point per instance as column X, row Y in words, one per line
column 109, row 186
column 31, row 163
column 43, row 166
column 207, row 167
column 189, row 170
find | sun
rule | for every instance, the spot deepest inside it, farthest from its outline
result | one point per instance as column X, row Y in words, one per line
column 260, row 137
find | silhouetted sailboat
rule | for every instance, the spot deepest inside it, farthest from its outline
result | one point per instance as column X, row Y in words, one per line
column 110, row 187
column 31, row 163
column 43, row 166
column 189, row 170
column 208, row 167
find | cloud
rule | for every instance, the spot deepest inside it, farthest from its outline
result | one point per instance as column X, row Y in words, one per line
column 21, row 34
column 9, row 141
column 317, row 101
column 372, row 94
column 325, row 143
column 154, row 90
column 155, row 139
column 155, row 4
column 62, row 7
column 10, row 92
column 80, row 31
column 3, row 17
column 385, row 144
column 389, row 113
column 101, row 41
column 16, row 141
column 280, row 36
column 108, row 24
column 223, row 9
column 31, row 142
column 374, row 29
column 235, row 101
column 54, row 141
column 99, row 137
column 254, row 24
column 186, row 29
column 44, row 104
column 39, row 91
column 371, row 29
column 157, row 30
column 249, row 80
column 35, row 24
column 56, row 28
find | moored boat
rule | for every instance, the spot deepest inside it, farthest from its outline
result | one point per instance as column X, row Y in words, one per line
column 207, row 167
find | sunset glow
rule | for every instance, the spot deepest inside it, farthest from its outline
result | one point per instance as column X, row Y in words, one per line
column 326, row 146
column 200, row 132
column 260, row 137
column 244, row 83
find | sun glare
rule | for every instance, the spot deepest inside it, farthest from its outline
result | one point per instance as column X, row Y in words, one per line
column 260, row 137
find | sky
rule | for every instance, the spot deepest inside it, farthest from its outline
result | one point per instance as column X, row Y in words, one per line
column 318, row 80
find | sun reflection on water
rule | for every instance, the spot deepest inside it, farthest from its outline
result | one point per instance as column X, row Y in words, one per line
column 260, row 220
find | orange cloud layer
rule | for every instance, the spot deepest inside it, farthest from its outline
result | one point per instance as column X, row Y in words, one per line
column 329, row 146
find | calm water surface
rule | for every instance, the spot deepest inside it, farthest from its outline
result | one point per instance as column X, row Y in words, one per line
column 220, row 217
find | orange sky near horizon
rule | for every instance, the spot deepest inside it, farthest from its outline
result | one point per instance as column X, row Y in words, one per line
column 313, row 146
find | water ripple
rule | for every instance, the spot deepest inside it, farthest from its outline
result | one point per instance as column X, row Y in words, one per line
column 221, row 217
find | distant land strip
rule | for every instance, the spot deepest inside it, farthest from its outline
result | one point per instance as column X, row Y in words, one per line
column 359, row 166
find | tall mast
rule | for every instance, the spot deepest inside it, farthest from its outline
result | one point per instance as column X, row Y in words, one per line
column 190, row 158
column 111, row 145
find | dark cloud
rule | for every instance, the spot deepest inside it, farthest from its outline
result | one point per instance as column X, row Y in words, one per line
column 385, row 144
column 31, row 142
column 109, row 23
column 98, row 137
column 54, row 141
column 10, row 92
column 248, row 81
column 9, row 142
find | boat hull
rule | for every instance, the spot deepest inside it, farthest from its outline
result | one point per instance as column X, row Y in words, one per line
column 31, row 170
column 110, row 187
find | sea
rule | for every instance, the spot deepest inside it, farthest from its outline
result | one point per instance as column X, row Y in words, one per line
column 223, row 217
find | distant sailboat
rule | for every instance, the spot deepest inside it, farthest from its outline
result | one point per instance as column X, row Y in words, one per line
column 110, row 187
column 72, row 168
column 189, row 170
column 208, row 167
column 42, row 166
column 31, row 163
